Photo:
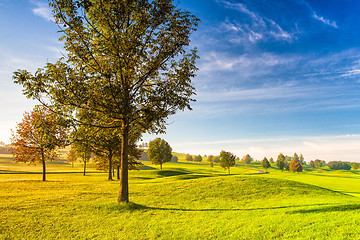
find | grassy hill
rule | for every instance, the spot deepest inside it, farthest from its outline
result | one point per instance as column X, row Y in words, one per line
column 183, row 201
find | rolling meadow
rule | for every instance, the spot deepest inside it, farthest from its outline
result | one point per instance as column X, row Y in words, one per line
column 182, row 201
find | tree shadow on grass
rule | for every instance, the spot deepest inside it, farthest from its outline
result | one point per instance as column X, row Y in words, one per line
column 193, row 176
column 170, row 173
column 337, row 208
column 123, row 207
column 144, row 167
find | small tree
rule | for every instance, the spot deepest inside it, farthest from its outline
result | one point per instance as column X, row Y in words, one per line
column 38, row 136
column 211, row 164
column 210, row 160
column 71, row 157
column 174, row 159
column 159, row 152
column 301, row 159
column 247, row 159
column 281, row 161
column 83, row 152
column 319, row 163
column 297, row 167
column 265, row 164
column 312, row 164
column 188, row 157
column 227, row 160
column 355, row 165
column 81, row 143
column 295, row 157
column 293, row 165
column 198, row 158
column 271, row 160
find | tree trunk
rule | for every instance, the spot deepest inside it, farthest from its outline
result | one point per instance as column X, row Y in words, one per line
column 124, row 181
column 229, row 170
column 43, row 163
column 118, row 172
column 110, row 169
column 84, row 164
column 160, row 166
column 72, row 164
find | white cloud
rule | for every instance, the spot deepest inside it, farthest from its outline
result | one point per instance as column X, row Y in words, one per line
column 42, row 10
column 325, row 21
column 247, row 65
column 317, row 16
column 256, row 28
column 241, row 8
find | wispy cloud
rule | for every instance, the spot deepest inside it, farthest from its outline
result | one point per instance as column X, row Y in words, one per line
column 324, row 20
column 242, row 8
column 267, row 83
column 316, row 16
column 256, row 27
column 42, row 10
column 247, row 64
column 288, row 67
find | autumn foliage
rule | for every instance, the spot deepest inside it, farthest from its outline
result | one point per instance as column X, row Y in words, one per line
column 37, row 137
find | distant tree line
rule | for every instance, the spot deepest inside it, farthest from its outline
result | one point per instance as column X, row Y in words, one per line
column 337, row 165
column 195, row 158
column 293, row 164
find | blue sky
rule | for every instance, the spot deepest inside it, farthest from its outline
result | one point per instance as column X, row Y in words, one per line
column 275, row 76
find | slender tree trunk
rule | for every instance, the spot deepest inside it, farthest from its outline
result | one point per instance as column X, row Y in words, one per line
column 118, row 172
column 110, row 169
column 160, row 166
column 44, row 168
column 84, row 164
column 113, row 172
column 72, row 164
column 124, row 180
column 229, row 170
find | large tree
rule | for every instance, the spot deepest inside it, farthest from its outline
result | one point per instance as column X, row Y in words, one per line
column 127, row 60
column 159, row 152
column 227, row 160
column 38, row 136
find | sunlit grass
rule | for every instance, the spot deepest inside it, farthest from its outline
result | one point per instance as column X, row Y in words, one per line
column 183, row 201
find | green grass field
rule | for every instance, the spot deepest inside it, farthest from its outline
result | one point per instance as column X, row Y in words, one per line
column 183, row 201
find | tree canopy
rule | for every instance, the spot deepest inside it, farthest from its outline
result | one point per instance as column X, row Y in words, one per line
column 126, row 60
column 159, row 152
